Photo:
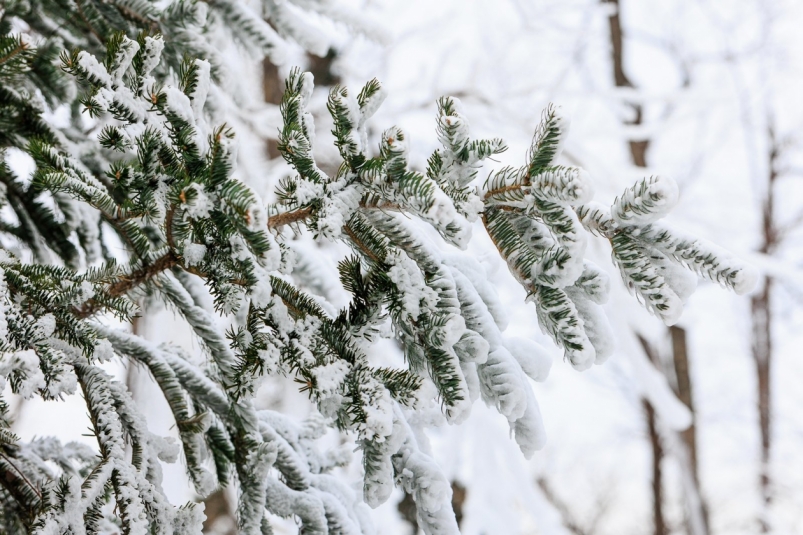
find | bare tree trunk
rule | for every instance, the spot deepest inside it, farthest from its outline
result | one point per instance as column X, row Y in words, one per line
column 761, row 313
column 683, row 390
column 656, row 446
column 657, row 476
column 680, row 358
column 762, row 355
column 638, row 148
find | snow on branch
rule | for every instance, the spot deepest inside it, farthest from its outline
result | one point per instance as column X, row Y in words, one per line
column 201, row 241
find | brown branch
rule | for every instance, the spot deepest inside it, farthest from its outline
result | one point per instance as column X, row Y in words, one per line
column 132, row 15
column 659, row 522
column 88, row 24
column 11, row 480
column 128, row 282
column 638, row 148
column 17, row 51
column 350, row 232
column 381, row 205
column 504, row 189
column 170, row 259
column 288, row 218
column 490, row 235
column 297, row 216
column 169, row 227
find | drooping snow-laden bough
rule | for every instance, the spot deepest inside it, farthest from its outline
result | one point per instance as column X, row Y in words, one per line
column 193, row 230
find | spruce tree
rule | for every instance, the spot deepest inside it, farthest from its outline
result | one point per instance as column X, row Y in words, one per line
column 159, row 174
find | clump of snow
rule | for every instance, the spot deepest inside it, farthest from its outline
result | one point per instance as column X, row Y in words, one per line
column 199, row 203
column 478, row 275
column 571, row 185
column 86, row 291
column 279, row 315
column 682, row 281
column 407, row 277
column 239, row 249
column 271, row 359
column 25, row 366
column 377, row 404
column 305, row 330
column 473, row 348
column 262, row 291
column 257, row 217
column 94, row 69
column 167, row 449
column 454, row 130
column 534, row 360
column 179, row 104
column 420, row 476
column 337, row 209
column 104, row 352
column 329, row 377
column 502, row 386
column 595, row 323
column 594, row 282
column 372, row 104
column 194, row 253
column 65, row 382
column 307, row 191
column 452, row 330
column 190, row 519
column 563, row 125
column 559, row 318
column 128, row 49
column 646, row 201
column 45, row 326
column 443, row 216
column 555, row 270
column 89, row 226
column 671, row 307
column 472, row 207
column 153, row 53
column 744, row 280
column 355, row 118
column 198, row 95
column 307, row 85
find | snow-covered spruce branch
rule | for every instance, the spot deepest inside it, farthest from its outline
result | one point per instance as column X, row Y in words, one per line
column 193, row 230
column 535, row 215
column 31, row 82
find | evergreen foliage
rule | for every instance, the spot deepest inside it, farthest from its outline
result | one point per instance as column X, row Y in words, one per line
column 163, row 180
